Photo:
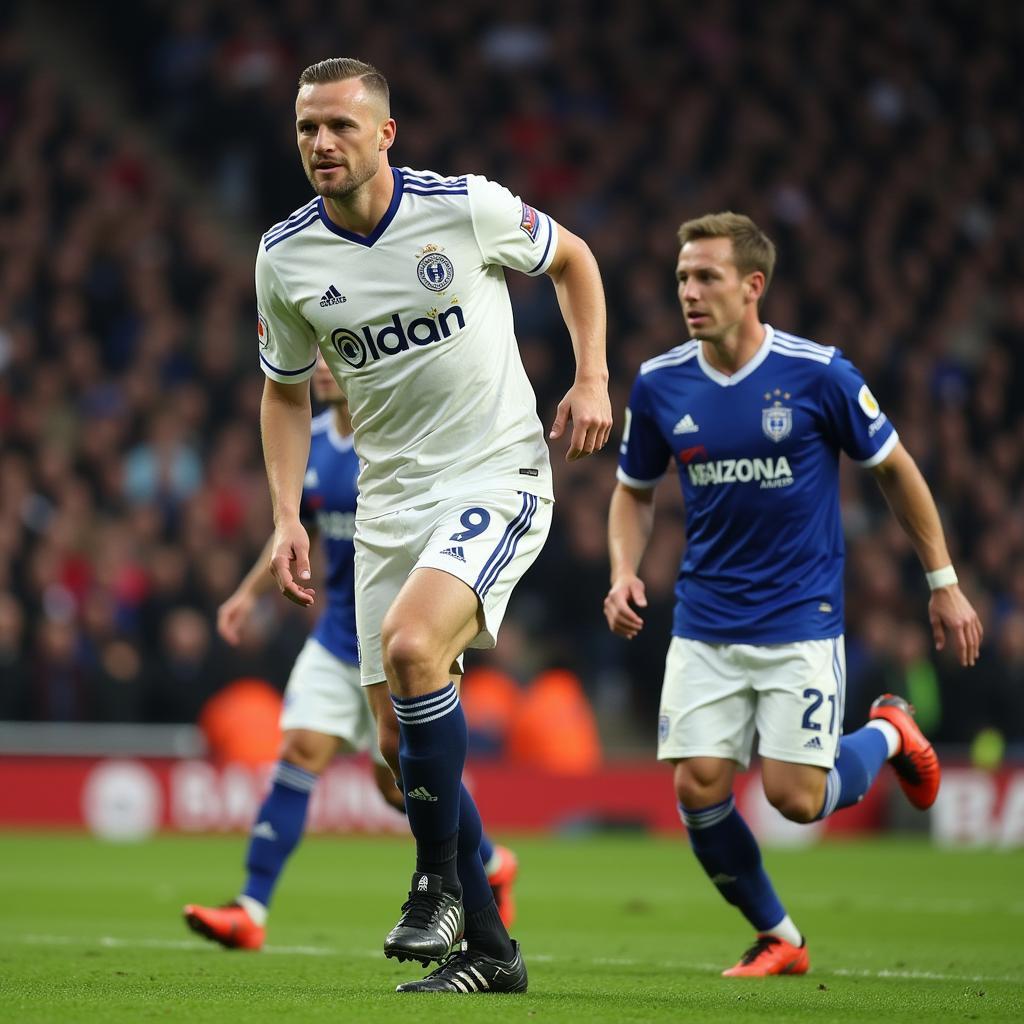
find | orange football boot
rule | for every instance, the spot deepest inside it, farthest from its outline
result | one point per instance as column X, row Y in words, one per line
column 501, row 881
column 229, row 925
column 916, row 765
column 770, row 955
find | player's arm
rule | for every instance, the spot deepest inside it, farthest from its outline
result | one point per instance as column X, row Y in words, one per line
column 577, row 281
column 630, row 522
column 259, row 580
column 285, row 416
column 911, row 502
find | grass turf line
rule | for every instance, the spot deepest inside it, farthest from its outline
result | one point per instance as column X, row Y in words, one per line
column 613, row 929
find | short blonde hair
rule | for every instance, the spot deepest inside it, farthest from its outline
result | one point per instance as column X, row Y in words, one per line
column 339, row 69
column 752, row 249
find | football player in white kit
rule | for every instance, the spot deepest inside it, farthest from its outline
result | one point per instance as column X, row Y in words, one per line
column 397, row 277
column 754, row 420
column 325, row 708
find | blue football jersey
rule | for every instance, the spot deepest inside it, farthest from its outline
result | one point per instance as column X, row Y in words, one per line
column 758, row 460
column 329, row 503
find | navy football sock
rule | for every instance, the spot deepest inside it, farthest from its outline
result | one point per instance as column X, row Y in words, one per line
column 485, row 932
column 486, row 849
column 860, row 759
column 277, row 830
column 476, row 890
column 432, row 753
column 728, row 852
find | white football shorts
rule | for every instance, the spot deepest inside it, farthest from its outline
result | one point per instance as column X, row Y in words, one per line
column 488, row 542
column 324, row 695
column 714, row 696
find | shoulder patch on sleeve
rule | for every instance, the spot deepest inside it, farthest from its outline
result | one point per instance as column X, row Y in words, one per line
column 262, row 329
column 868, row 402
column 530, row 222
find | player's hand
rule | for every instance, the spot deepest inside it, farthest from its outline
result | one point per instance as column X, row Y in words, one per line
column 289, row 564
column 950, row 612
column 619, row 610
column 590, row 409
column 232, row 616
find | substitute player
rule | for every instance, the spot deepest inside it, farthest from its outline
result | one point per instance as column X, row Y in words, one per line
column 325, row 709
column 397, row 276
column 754, row 420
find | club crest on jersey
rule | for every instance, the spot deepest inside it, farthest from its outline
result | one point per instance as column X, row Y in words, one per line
column 435, row 270
column 777, row 422
column 530, row 222
column 262, row 329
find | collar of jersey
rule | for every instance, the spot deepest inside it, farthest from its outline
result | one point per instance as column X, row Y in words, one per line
column 382, row 224
column 726, row 381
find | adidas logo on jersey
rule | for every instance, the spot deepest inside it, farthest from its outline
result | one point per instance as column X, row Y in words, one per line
column 422, row 793
column 332, row 297
column 813, row 744
column 685, row 426
column 455, row 552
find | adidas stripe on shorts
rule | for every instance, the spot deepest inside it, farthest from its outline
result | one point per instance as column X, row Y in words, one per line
column 323, row 694
column 487, row 541
column 714, row 696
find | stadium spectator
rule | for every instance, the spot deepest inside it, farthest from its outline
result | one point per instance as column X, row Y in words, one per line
column 115, row 290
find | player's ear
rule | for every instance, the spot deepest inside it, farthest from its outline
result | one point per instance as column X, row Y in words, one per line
column 386, row 134
column 754, row 285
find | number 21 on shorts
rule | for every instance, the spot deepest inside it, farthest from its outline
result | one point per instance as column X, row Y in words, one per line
column 817, row 698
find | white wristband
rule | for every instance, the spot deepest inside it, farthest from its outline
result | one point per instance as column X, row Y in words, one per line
column 944, row 577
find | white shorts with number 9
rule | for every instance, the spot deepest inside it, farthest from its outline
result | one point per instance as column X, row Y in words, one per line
column 488, row 542
column 715, row 695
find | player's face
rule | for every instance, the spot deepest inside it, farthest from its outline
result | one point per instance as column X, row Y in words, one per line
column 713, row 294
column 341, row 130
column 325, row 387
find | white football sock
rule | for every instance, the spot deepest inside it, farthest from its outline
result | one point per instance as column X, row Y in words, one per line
column 787, row 931
column 254, row 909
column 889, row 731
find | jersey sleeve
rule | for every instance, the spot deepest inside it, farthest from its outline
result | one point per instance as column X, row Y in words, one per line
column 509, row 231
column 853, row 417
column 287, row 341
column 643, row 454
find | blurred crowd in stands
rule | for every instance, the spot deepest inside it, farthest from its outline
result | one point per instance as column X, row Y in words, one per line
column 879, row 143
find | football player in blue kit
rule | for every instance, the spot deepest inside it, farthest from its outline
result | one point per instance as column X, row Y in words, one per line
column 754, row 420
column 325, row 707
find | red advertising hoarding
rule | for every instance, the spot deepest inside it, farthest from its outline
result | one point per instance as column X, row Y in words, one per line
column 131, row 798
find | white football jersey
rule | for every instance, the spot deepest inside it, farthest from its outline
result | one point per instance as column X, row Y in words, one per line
column 415, row 323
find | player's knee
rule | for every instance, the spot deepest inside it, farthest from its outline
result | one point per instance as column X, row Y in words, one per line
column 311, row 752
column 697, row 786
column 691, row 794
column 799, row 805
column 410, row 659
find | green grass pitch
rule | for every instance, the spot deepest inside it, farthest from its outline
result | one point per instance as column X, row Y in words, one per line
column 613, row 929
